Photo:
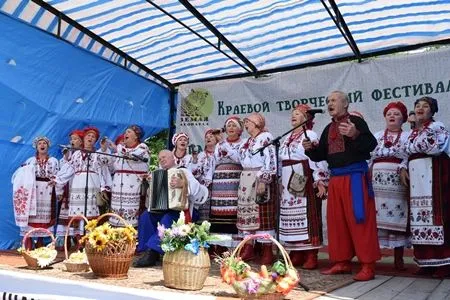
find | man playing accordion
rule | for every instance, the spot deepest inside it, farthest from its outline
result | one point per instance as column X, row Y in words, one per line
column 197, row 194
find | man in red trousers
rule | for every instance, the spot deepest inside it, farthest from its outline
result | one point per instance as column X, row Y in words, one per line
column 346, row 144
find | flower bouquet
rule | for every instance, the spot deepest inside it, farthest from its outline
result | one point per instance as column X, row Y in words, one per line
column 186, row 263
column 273, row 283
column 109, row 250
column 41, row 257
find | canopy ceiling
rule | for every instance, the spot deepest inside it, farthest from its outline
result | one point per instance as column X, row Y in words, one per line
column 175, row 42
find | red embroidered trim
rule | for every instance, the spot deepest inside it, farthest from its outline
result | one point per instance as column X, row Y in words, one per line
column 415, row 132
column 336, row 143
column 294, row 136
column 42, row 162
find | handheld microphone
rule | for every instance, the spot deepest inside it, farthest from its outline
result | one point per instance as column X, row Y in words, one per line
column 315, row 111
column 143, row 159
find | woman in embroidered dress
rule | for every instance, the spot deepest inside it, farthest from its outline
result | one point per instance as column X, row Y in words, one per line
column 98, row 181
column 225, row 185
column 76, row 141
column 127, row 199
column 257, row 187
column 429, row 178
column 180, row 141
column 391, row 198
column 41, row 213
column 202, row 168
column 301, row 214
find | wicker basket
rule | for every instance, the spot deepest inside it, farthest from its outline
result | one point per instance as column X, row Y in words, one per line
column 31, row 261
column 114, row 261
column 70, row 266
column 287, row 261
column 184, row 270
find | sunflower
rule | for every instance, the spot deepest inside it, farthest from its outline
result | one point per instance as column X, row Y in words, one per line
column 131, row 229
column 93, row 237
column 128, row 235
column 101, row 242
column 83, row 240
column 106, row 229
column 90, row 226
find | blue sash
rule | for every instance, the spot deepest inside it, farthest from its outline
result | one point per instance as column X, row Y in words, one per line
column 356, row 171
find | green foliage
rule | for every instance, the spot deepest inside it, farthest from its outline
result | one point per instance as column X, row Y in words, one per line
column 156, row 143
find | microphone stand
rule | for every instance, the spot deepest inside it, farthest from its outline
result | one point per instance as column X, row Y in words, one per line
column 276, row 143
column 89, row 152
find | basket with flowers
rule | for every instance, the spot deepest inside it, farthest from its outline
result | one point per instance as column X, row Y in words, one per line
column 41, row 257
column 109, row 250
column 77, row 261
column 267, row 283
column 186, row 263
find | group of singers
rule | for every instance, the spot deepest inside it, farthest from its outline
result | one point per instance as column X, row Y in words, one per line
column 388, row 189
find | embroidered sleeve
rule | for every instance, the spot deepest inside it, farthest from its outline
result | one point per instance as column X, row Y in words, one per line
column 141, row 151
column 269, row 167
column 403, row 153
column 319, row 152
column 319, row 169
column 208, row 170
column 105, row 178
column 63, row 176
column 431, row 140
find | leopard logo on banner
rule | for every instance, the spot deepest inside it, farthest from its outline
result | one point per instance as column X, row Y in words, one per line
column 196, row 108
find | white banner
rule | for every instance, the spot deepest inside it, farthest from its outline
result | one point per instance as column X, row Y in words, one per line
column 371, row 85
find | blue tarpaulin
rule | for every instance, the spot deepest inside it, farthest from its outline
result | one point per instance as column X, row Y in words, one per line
column 49, row 87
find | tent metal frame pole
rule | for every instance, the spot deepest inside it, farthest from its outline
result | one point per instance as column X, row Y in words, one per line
column 339, row 21
column 197, row 34
column 97, row 38
column 218, row 34
column 323, row 62
column 172, row 117
column 58, row 32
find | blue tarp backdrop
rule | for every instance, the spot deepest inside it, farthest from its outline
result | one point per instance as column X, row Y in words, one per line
column 48, row 87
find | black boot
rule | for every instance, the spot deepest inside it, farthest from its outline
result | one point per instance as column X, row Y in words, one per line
column 148, row 259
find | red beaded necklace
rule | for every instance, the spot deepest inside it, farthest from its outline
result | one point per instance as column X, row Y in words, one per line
column 389, row 144
column 294, row 136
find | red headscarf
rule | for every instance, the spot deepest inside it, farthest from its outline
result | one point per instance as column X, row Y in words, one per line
column 92, row 129
column 398, row 105
column 78, row 133
column 119, row 139
column 304, row 108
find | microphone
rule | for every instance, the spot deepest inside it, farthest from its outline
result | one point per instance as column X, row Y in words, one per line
column 136, row 157
column 315, row 111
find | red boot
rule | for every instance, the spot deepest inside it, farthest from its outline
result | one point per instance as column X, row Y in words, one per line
column 367, row 272
column 297, row 258
column 267, row 254
column 247, row 253
column 311, row 259
column 343, row 267
column 398, row 259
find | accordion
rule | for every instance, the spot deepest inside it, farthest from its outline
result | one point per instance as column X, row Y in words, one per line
column 162, row 197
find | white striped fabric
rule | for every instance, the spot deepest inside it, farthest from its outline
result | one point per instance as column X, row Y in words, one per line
column 270, row 34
